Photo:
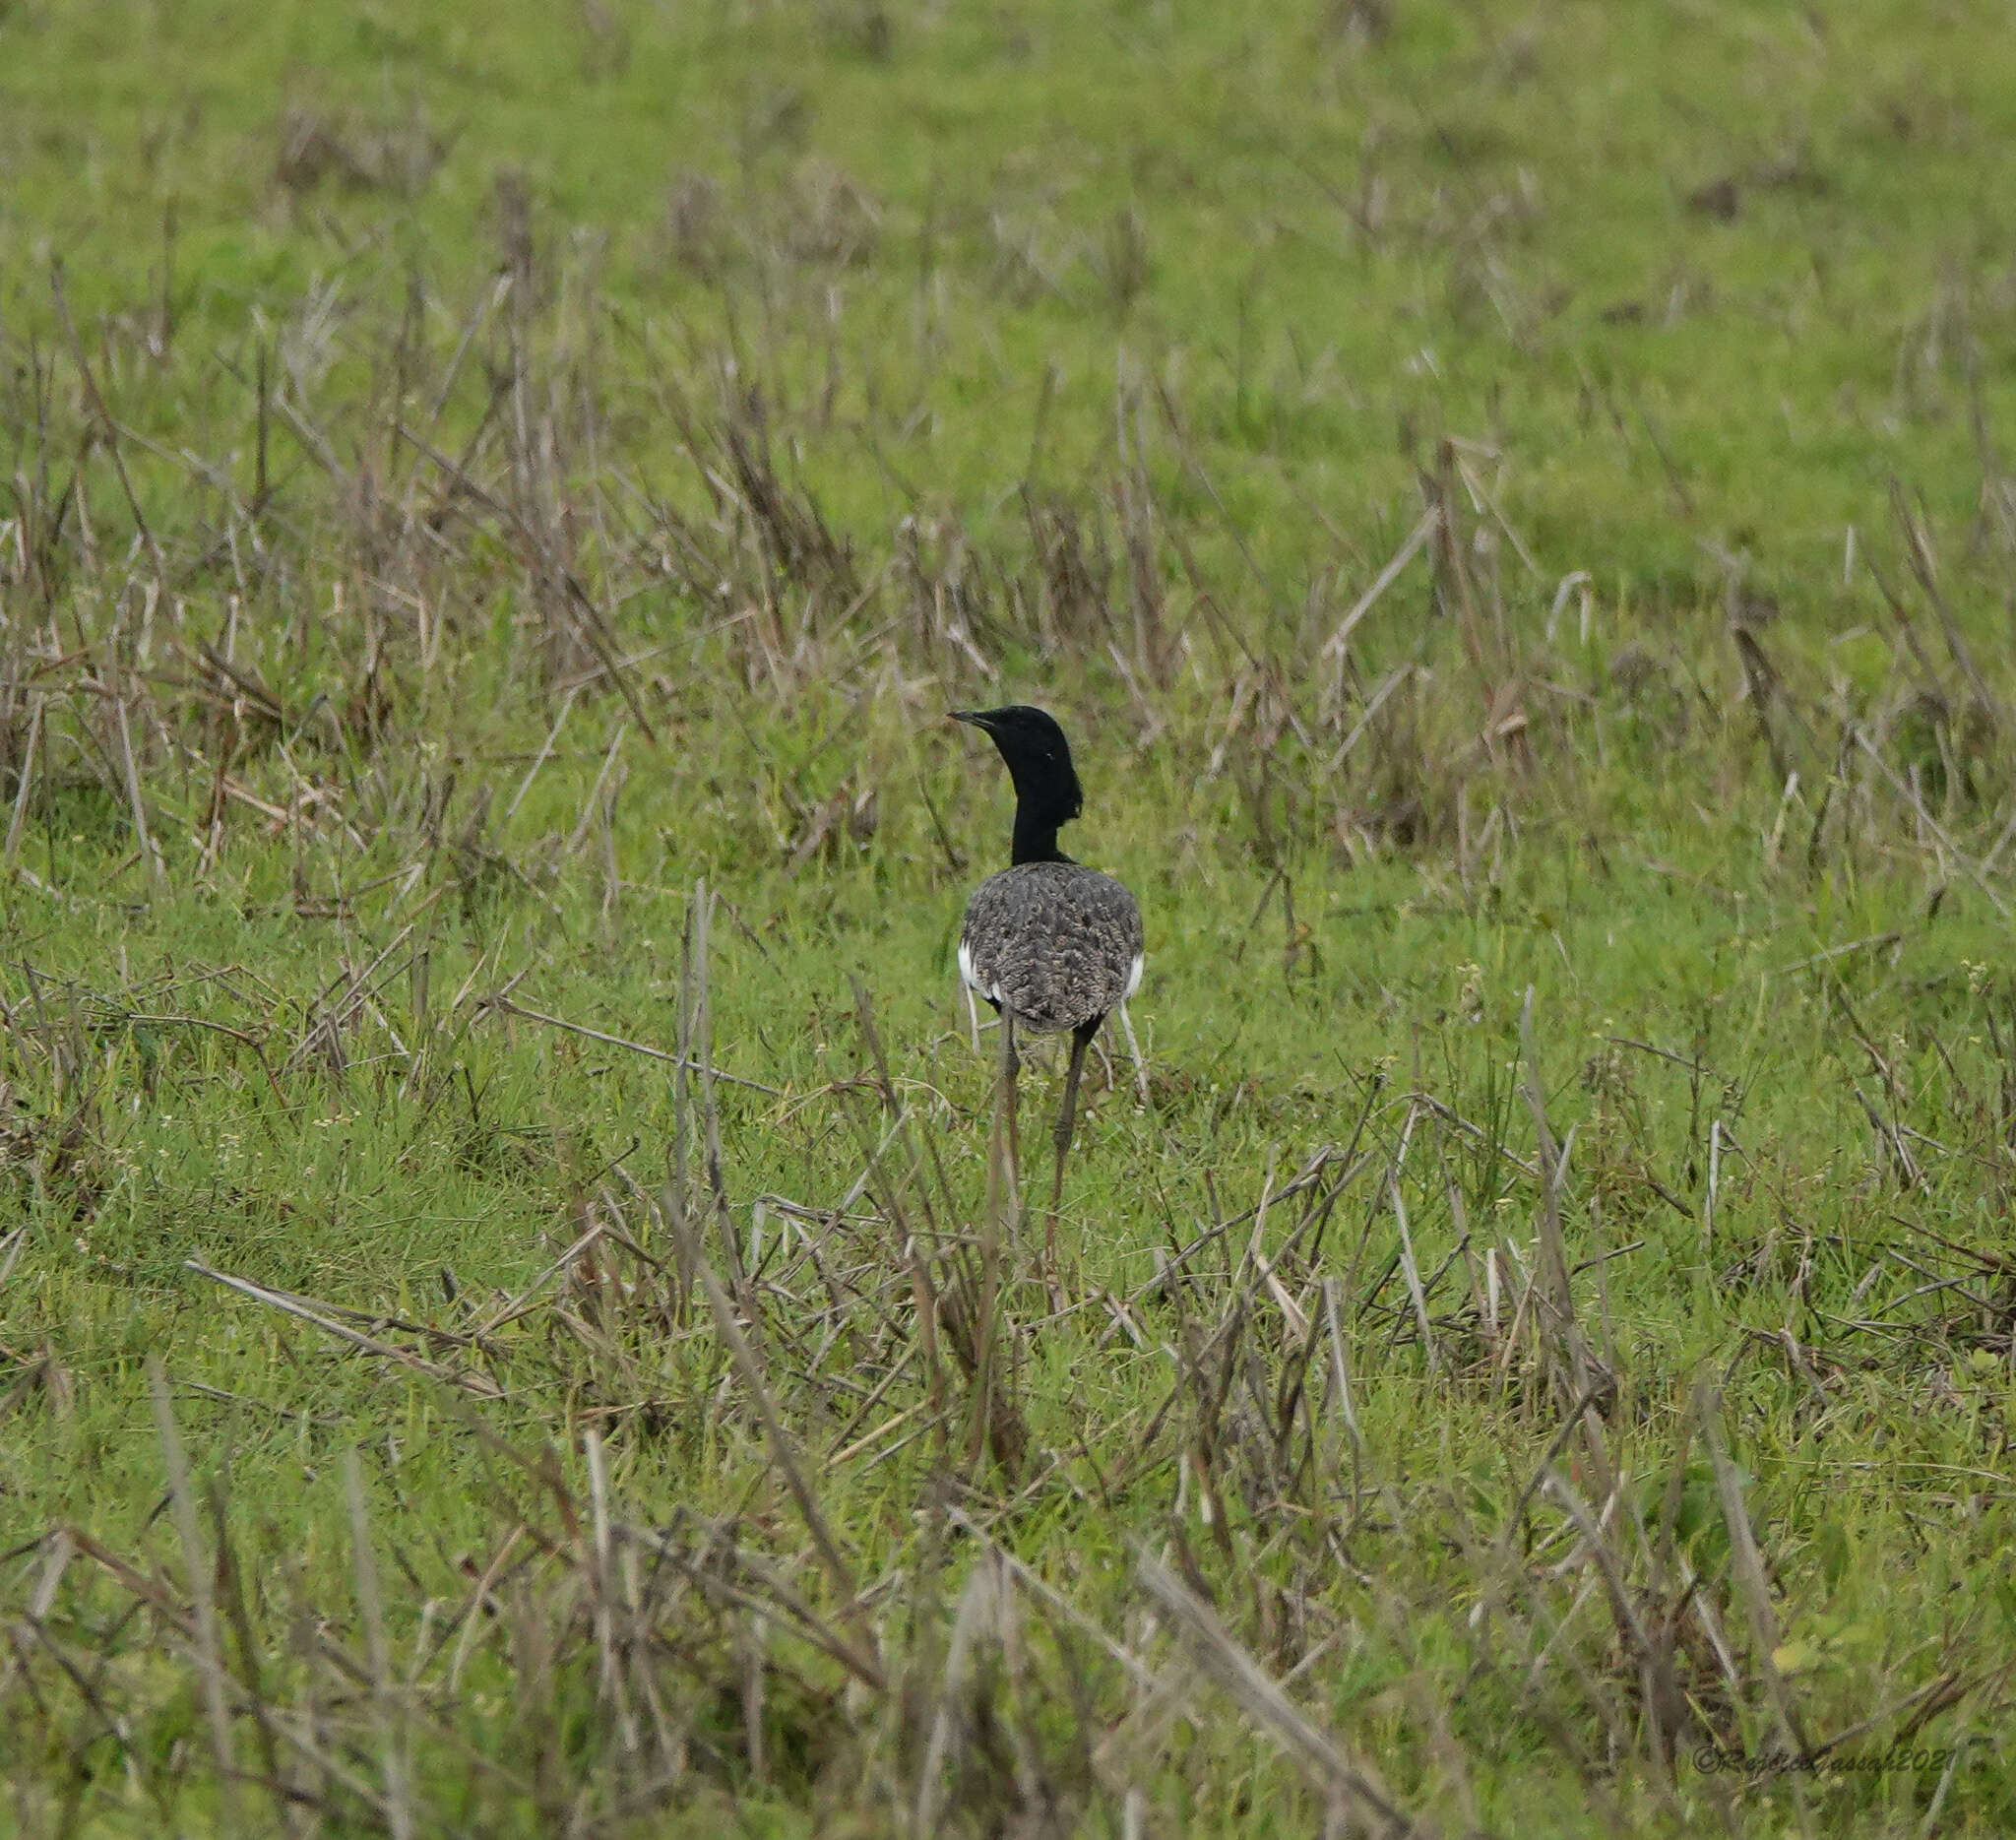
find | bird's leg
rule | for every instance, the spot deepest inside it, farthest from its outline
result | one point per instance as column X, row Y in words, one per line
column 1134, row 1049
column 1004, row 1121
column 1081, row 1039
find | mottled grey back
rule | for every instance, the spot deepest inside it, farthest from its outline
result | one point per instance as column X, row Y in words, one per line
column 1056, row 941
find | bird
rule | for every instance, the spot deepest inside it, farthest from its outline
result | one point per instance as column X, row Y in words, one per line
column 1052, row 945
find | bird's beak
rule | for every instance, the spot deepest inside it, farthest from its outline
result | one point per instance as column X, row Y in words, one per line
column 971, row 716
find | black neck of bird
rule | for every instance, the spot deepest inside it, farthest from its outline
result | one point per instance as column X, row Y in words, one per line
column 1047, row 796
column 1036, row 832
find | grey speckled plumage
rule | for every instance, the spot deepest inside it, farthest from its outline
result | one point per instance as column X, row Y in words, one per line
column 1057, row 943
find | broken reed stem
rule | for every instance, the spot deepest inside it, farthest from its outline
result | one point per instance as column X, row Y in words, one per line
column 387, row 1703
column 982, row 1607
column 1412, row 1273
column 1747, row 1563
column 156, row 870
column 604, row 1574
column 866, row 1656
column 678, row 1185
column 702, row 915
column 26, row 781
column 1259, row 1696
column 197, row 1575
column 893, row 1106
column 1576, row 1375
column 478, row 1383
column 507, row 1006
column 102, row 415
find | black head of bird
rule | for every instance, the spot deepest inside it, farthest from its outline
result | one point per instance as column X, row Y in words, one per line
column 1038, row 761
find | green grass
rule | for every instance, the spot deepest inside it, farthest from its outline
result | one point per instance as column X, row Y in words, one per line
column 1548, row 1330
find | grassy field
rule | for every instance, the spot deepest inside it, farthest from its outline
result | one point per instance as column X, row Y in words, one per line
column 505, row 1324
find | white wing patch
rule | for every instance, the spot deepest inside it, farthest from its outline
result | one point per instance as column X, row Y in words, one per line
column 1133, row 975
column 970, row 978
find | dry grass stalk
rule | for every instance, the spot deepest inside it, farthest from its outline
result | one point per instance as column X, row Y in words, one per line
column 386, row 1705
column 1578, row 1377
column 481, row 1385
column 196, row 1570
column 785, row 1454
column 1351, row 1781
column 1747, row 1563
